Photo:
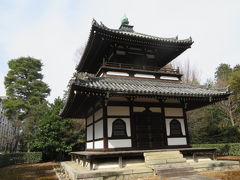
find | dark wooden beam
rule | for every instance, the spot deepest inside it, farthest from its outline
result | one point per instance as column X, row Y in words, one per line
column 105, row 124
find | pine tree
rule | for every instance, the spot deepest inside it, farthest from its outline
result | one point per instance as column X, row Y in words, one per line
column 24, row 88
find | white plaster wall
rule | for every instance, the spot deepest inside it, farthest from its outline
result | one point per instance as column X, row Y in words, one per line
column 155, row 109
column 168, row 126
column 126, row 120
column 119, row 143
column 98, row 129
column 118, row 111
column 141, row 109
column 173, row 111
column 89, row 145
column 177, row 141
column 89, row 119
column 138, row 109
column 89, row 133
column 169, row 78
column 98, row 144
column 98, row 114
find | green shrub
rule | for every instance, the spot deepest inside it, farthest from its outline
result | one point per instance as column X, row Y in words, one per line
column 20, row 158
column 232, row 149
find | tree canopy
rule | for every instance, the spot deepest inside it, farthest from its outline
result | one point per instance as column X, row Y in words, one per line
column 53, row 135
column 24, row 87
column 220, row 122
column 25, row 91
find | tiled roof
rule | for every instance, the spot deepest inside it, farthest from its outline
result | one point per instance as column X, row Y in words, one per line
column 143, row 86
column 132, row 33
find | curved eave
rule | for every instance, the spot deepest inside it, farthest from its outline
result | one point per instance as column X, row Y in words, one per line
column 79, row 96
column 129, row 35
column 100, row 35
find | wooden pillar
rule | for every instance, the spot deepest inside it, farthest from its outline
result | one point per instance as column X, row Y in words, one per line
column 164, row 121
column 90, row 164
column 105, row 124
column 132, row 123
column 195, row 159
column 186, row 125
column 93, row 128
column 84, row 161
column 120, row 162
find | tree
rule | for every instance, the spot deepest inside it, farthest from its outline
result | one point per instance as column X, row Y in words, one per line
column 235, row 87
column 223, row 74
column 55, row 136
column 219, row 123
column 228, row 107
column 190, row 73
column 24, row 88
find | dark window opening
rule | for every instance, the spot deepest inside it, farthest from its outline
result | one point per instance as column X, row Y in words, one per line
column 119, row 129
column 175, row 128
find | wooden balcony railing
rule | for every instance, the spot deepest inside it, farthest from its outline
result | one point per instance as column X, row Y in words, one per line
column 123, row 66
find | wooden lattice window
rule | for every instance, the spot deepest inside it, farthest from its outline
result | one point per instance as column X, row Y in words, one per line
column 119, row 129
column 175, row 128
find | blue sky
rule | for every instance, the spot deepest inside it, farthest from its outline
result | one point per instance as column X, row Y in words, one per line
column 52, row 30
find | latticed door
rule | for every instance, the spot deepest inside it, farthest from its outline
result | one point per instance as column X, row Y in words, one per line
column 149, row 130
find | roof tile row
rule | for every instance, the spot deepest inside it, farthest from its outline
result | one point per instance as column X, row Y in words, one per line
column 148, row 86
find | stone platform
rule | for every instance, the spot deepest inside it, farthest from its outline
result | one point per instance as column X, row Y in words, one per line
column 168, row 164
column 76, row 172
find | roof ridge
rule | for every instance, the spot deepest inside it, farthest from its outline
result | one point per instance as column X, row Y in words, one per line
column 171, row 39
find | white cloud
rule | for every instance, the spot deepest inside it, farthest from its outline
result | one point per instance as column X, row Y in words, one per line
column 51, row 40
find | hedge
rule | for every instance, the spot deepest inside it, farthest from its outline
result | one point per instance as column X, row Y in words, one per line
column 20, row 158
column 232, row 149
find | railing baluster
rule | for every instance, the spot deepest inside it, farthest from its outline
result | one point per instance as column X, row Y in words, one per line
column 141, row 67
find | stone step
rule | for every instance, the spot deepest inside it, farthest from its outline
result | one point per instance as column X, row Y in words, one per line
column 176, row 165
column 177, row 160
column 174, row 172
column 163, row 156
column 215, row 165
column 161, row 153
column 201, row 166
column 155, row 162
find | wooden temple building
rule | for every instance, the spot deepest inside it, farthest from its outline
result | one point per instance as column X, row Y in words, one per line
column 130, row 100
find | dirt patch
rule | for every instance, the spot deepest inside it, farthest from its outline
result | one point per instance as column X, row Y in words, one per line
column 234, row 158
column 224, row 175
column 39, row 171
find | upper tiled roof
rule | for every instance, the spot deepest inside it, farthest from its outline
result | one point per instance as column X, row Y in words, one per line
column 141, row 86
column 141, row 35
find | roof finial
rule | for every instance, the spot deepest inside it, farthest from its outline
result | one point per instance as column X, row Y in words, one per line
column 124, row 20
column 125, row 24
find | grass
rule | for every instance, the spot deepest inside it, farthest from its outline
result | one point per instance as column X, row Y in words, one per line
column 39, row 171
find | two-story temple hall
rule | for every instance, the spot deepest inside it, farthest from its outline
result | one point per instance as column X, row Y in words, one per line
column 133, row 102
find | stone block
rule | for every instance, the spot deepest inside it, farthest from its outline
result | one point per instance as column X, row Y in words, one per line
column 156, row 162
column 177, row 160
column 173, row 156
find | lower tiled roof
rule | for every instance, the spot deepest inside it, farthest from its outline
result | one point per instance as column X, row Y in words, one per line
column 144, row 86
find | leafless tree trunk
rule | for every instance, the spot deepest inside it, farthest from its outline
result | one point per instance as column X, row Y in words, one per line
column 228, row 108
column 190, row 73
